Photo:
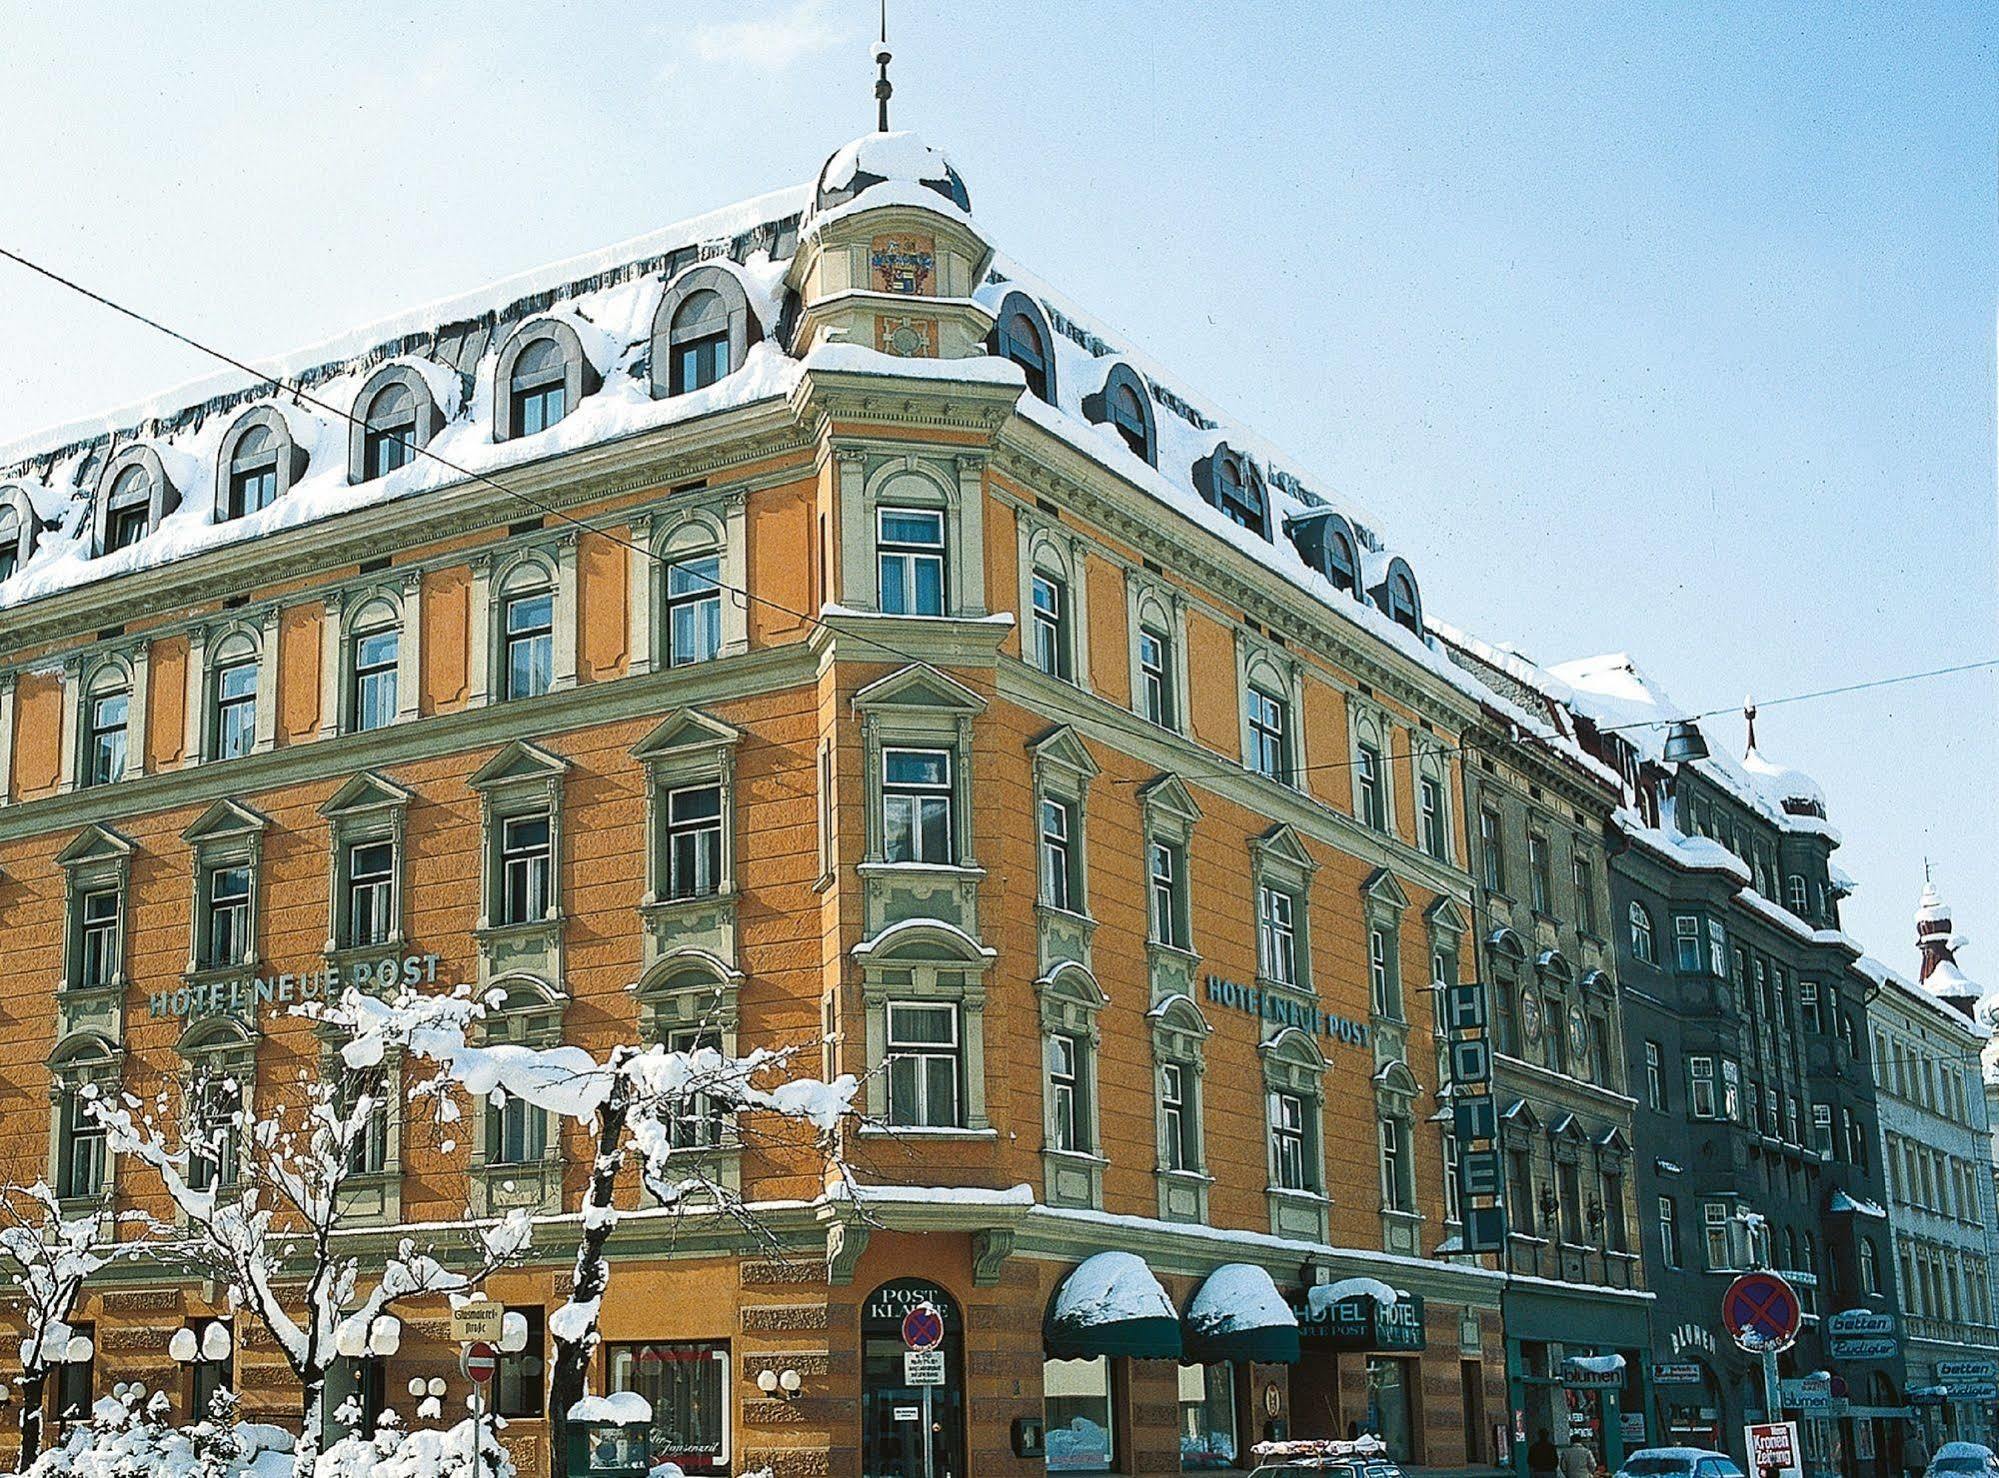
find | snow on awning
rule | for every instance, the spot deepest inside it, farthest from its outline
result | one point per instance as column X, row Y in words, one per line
column 1322, row 1296
column 1110, row 1304
column 1666, row 1167
column 1858, row 1205
column 1238, row 1314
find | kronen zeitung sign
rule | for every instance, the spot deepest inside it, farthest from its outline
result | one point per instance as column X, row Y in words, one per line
column 210, row 997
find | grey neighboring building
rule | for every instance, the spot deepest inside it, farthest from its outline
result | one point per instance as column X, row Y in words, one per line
column 1748, row 1054
column 1538, row 815
column 1936, row 1138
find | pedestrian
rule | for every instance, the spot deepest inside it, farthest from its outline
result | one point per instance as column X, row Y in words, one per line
column 1915, row 1452
column 1577, row 1461
column 1543, row 1458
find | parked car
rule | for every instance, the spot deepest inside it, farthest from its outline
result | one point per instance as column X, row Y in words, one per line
column 1326, row 1467
column 1363, row 1457
column 1678, row 1462
column 1962, row 1460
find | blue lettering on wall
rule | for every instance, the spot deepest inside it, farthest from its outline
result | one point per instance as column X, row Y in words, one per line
column 1285, row 1010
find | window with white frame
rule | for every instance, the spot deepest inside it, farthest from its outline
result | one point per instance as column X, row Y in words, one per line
column 106, row 723
column 923, row 1065
column 1796, row 895
column 1059, row 874
column 525, row 868
column 1269, row 735
column 1166, row 881
column 81, row 1152
column 97, row 930
column 527, row 641
column 1277, row 937
column 1808, row 1006
column 1669, row 1232
column 909, row 548
column 1290, row 1156
column 370, row 883
column 1655, row 1077
column 693, row 617
column 227, row 905
column 917, row 804
column 699, row 1119
column 1068, row 1088
column 1715, row 1219
column 1731, row 1089
column 1687, row 944
column 692, row 853
column 1398, row 1181
column 373, row 657
column 1430, row 818
column 1701, row 1100
column 1453, row 1197
column 1372, row 786
column 232, row 698
column 516, row 1132
column 1384, row 979
column 1491, row 856
column 1178, row 1085
column 1049, row 625
column 1155, row 676
column 1642, row 948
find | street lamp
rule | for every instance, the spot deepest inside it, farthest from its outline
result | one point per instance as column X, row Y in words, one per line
column 379, row 1337
column 770, row 1382
column 212, row 1345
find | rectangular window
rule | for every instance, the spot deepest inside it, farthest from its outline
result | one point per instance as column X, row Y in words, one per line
column 1540, row 879
column 1177, row 1116
column 1166, row 869
column 1731, row 1090
column 1669, row 1232
column 1277, row 941
column 693, row 840
column 1714, row 1221
column 1288, row 1142
column 516, row 1132
column 104, row 751
column 699, row 363
column 537, row 409
column 126, row 526
column 1808, row 1005
column 1268, row 755
column 371, row 882
column 687, row 1387
column 1521, row 1212
column 80, row 1166
column 1383, row 986
column 1395, row 1176
column 909, row 547
column 1583, row 879
column 529, row 632
column 235, row 710
column 916, row 806
column 699, row 1118
column 368, row 1150
column 1568, row 1180
column 923, row 1065
column 694, row 609
column 1079, row 1416
column 1067, row 1091
column 1207, row 1417
column 228, row 941
column 1687, row 944
column 1601, row 1071
column 374, row 655
column 1430, row 814
column 1155, row 676
column 1655, row 1078
column 1701, row 1101
column 1717, row 948
column 525, row 847
column 97, row 938
column 213, row 1104
column 386, row 448
column 1371, row 782
column 1058, row 876
column 1491, row 859
column 1453, row 1197
column 518, row 1392
column 1049, row 625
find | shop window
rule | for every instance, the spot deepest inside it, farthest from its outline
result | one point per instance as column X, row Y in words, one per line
column 923, row 1065
column 522, row 1373
column 1079, row 1412
column 1207, row 1417
column 892, row 1411
column 687, row 1386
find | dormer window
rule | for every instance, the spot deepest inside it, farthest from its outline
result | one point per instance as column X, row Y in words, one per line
column 253, row 472
column 1402, row 607
column 1325, row 541
column 18, row 527
column 539, row 395
column 1230, row 484
column 1022, row 336
column 1128, row 415
column 10, row 542
column 700, row 342
column 1126, row 406
column 542, row 375
column 390, row 438
column 1342, row 568
column 127, row 516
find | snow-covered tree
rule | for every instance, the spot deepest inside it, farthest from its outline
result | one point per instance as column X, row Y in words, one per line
column 45, row 1259
column 274, row 1216
column 639, row 1103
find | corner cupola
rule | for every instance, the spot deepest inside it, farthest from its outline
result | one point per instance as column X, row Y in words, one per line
column 888, row 257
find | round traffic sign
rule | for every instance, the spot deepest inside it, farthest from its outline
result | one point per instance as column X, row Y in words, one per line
column 1760, row 1311
column 482, row 1361
column 923, row 1327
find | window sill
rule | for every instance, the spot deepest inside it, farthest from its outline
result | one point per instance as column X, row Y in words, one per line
column 923, row 1131
column 1303, row 1198
column 1190, row 1177
column 685, row 902
column 970, row 871
column 1075, row 1157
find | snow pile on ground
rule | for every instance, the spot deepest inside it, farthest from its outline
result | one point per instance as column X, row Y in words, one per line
column 427, row 1453
column 1238, row 1296
column 127, row 1436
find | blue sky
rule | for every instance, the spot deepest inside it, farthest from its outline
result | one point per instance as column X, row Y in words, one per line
column 1664, row 329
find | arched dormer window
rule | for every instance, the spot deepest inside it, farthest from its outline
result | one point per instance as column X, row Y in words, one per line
column 1229, row 483
column 397, row 415
column 542, row 376
column 257, row 464
column 1397, row 596
column 135, row 496
column 1126, row 407
column 702, row 331
column 18, row 528
column 1325, row 541
column 1021, row 334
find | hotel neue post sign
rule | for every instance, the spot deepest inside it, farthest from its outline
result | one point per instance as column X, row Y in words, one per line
column 243, row 992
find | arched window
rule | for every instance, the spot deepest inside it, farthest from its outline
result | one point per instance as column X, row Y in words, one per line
column 107, row 709
column 1125, row 405
column 18, row 528
column 395, row 417
column 1403, row 608
column 1325, row 541
column 374, row 652
column 1642, row 947
column 526, row 619
column 127, row 512
column 232, row 697
column 1022, row 336
column 257, row 464
column 1342, row 567
column 1230, row 484
column 542, row 376
column 134, row 494
column 701, row 331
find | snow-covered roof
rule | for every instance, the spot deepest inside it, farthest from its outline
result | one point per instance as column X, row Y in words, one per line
column 1789, row 788
column 1943, row 1003
column 1858, row 1205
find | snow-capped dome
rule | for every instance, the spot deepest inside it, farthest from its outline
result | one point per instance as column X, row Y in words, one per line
column 882, row 158
column 1793, row 790
column 1932, row 910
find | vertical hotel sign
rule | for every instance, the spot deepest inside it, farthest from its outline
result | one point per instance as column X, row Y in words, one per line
column 1474, row 1117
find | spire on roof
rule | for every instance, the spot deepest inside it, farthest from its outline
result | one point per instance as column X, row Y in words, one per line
column 1938, row 944
column 1749, row 717
column 883, row 87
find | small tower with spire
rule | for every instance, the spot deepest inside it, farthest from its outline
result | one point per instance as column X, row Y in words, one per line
column 1938, row 942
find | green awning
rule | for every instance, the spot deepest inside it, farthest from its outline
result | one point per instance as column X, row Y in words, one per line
column 1110, row 1304
column 1238, row 1314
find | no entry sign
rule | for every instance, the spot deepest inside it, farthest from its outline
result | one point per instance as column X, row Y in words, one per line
column 482, row 1361
column 1760, row 1310
column 923, row 1327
